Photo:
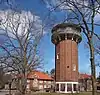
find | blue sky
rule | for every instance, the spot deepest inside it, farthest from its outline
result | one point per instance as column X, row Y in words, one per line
column 48, row 49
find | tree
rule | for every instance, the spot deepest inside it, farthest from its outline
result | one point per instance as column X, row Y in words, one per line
column 97, row 51
column 47, row 72
column 82, row 13
column 4, row 79
column 98, row 78
column 52, row 72
column 1, row 77
column 21, row 36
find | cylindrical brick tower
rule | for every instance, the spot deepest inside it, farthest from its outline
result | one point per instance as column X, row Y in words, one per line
column 66, row 37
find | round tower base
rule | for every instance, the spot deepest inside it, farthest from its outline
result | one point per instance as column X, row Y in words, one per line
column 67, row 87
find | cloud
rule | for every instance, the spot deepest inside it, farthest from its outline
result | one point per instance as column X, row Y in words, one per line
column 11, row 20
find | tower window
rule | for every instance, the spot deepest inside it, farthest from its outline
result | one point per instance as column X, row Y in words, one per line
column 67, row 66
column 74, row 67
column 58, row 56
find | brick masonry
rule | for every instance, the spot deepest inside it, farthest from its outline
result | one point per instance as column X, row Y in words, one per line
column 66, row 52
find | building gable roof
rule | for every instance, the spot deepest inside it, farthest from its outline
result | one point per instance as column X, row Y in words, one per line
column 39, row 75
column 84, row 76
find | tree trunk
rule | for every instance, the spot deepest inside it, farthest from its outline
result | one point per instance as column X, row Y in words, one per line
column 23, row 85
column 93, row 72
column 9, row 88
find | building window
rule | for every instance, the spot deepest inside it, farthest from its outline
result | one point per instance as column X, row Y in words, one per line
column 58, row 56
column 44, row 86
column 28, row 86
column 74, row 87
column 49, row 86
column 62, row 87
column 40, row 86
column 57, row 87
column 67, row 66
column 98, row 87
column 69, row 87
column 28, row 81
column 45, row 81
column 74, row 67
column 40, row 81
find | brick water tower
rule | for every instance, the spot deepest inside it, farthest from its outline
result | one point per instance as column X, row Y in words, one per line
column 66, row 37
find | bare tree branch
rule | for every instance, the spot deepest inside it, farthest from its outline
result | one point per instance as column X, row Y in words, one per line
column 21, row 47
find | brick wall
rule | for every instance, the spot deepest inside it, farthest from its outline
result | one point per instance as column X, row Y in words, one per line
column 67, row 61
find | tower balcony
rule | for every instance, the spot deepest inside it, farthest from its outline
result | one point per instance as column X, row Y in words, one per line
column 66, row 31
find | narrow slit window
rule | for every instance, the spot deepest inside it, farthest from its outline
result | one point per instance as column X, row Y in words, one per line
column 57, row 56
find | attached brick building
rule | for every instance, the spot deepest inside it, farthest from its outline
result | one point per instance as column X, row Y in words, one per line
column 39, row 80
column 85, row 82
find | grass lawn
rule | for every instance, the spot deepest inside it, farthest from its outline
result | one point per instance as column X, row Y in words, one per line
column 83, row 93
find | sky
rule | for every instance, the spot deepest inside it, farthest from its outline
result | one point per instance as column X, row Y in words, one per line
column 38, row 8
